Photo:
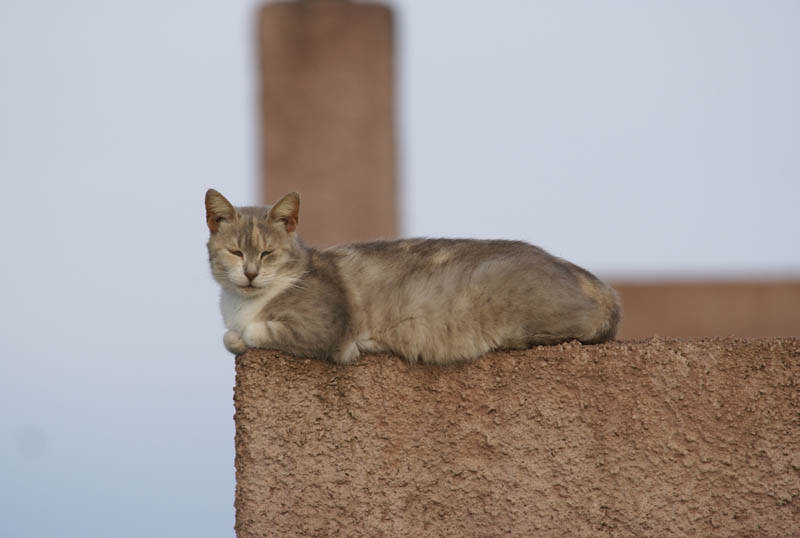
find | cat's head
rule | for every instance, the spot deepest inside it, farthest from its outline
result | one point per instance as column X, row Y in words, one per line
column 252, row 248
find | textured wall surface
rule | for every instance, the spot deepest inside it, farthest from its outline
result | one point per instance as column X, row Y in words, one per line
column 646, row 438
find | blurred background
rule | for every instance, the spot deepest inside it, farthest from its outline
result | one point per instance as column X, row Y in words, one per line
column 653, row 143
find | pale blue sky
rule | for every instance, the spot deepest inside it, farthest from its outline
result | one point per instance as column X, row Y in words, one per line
column 635, row 138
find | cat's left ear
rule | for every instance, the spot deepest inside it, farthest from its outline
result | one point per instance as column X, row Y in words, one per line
column 218, row 210
column 286, row 211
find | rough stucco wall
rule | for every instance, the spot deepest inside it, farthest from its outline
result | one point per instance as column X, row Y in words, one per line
column 648, row 438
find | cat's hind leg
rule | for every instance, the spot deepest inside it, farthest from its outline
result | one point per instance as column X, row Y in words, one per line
column 347, row 354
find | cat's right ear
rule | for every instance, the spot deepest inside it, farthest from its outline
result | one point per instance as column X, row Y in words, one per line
column 218, row 210
column 286, row 211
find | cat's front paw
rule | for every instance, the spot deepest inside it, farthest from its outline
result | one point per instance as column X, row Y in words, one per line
column 234, row 343
column 255, row 334
column 262, row 334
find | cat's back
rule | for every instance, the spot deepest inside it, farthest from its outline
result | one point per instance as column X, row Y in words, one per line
column 431, row 255
column 428, row 268
column 448, row 298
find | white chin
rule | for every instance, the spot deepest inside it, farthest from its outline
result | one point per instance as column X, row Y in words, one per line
column 247, row 290
column 239, row 288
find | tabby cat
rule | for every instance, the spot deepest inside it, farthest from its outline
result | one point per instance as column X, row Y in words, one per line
column 437, row 301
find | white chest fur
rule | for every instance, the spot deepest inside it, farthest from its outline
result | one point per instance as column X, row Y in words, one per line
column 238, row 312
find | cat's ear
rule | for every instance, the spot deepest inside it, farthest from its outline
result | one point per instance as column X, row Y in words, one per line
column 286, row 211
column 218, row 210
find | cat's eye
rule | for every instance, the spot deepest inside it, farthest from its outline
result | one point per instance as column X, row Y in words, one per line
column 265, row 254
column 237, row 253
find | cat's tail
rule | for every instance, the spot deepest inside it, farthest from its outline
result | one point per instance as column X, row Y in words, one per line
column 606, row 315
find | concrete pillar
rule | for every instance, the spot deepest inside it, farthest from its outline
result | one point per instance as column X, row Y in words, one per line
column 328, row 116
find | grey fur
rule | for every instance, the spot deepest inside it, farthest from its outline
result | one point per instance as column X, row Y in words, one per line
column 432, row 300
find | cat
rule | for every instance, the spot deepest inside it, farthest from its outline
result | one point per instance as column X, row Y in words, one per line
column 437, row 301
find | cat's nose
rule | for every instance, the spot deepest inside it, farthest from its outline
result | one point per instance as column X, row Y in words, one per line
column 250, row 275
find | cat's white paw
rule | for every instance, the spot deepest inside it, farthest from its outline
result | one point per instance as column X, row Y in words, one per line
column 348, row 354
column 234, row 343
column 260, row 333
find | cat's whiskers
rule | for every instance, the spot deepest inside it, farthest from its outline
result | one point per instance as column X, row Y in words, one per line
column 287, row 281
